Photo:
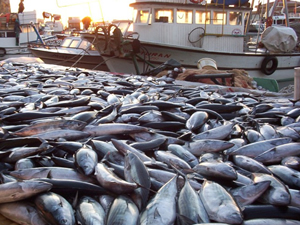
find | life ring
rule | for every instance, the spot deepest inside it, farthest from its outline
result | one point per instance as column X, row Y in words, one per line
column 264, row 65
column 2, row 52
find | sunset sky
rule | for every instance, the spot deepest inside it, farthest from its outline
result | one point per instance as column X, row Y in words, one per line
column 112, row 9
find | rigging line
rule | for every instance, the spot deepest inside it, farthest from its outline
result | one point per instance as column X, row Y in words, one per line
column 104, row 61
column 101, row 11
column 84, row 52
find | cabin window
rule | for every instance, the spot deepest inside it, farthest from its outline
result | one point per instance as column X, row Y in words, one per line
column 219, row 18
column 202, row 17
column 164, row 15
column 66, row 42
column 74, row 44
column 235, row 18
column 84, row 45
column 10, row 34
column 184, row 16
column 142, row 16
column 279, row 22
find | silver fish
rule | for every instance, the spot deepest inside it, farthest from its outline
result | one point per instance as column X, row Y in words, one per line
column 190, row 205
column 112, row 182
column 277, row 194
column 289, row 176
column 22, row 212
column 113, row 128
column 276, row 154
column 273, row 221
column 86, row 160
column 19, row 190
column 196, row 120
column 136, row 172
column 122, row 212
column 55, row 208
column 247, row 194
column 184, row 154
column 52, row 172
column 89, row 211
column 295, row 197
column 216, row 170
column 161, row 209
column 250, row 164
column 219, row 133
column 169, row 158
column 200, row 147
column 254, row 149
column 219, row 204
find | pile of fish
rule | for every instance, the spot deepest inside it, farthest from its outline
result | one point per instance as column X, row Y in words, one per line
column 90, row 147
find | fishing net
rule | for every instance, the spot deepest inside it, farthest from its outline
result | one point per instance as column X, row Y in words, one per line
column 240, row 77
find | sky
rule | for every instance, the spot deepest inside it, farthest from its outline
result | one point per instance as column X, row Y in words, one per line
column 112, row 9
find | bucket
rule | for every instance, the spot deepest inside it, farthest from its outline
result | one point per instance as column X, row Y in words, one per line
column 207, row 63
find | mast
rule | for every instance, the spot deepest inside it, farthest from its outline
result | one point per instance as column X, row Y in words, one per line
column 5, row 6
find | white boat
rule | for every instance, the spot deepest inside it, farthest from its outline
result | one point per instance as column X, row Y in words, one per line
column 73, row 52
column 8, row 43
column 187, row 32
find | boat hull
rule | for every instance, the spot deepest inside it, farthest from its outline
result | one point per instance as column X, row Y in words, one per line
column 89, row 60
column 251, row 62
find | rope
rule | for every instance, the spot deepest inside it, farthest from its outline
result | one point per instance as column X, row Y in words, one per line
column 85, row 51
column 288, row 89
column 104, row 61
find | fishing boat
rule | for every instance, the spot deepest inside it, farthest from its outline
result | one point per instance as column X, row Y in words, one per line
column 188, row 31
column 9, row 45
column 74, row 51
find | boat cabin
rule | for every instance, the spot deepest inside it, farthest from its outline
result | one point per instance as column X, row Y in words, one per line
column 281, row 20
column 214, row 26
column 7, row 33
column 73, row 42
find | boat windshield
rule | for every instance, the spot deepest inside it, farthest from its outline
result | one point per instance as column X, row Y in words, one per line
column 84, row 45
column 66, row 42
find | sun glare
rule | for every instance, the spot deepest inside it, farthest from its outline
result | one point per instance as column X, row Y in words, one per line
column 98, row 10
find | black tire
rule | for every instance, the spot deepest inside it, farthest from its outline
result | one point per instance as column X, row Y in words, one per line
column 2, row 52
column 264, row 65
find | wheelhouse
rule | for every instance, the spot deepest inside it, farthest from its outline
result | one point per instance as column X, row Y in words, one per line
column 212, row 26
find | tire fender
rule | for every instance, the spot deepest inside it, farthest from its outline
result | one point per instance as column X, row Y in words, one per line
column 269, row 70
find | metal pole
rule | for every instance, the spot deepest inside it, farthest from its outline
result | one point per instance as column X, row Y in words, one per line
column 287, row 23
column 297, row 83
column 248, row 19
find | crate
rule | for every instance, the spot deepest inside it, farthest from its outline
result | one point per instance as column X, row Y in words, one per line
column 28, row 17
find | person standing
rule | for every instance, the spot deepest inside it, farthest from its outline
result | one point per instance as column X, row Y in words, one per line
column 17, row 30
column 21, row 6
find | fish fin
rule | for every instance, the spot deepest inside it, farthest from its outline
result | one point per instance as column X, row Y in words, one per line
column 183, row 220
column 177, row 170
column 75, row 201
column 156, row 214
column 49, row 175
column 104, row 159
column 141, row 186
